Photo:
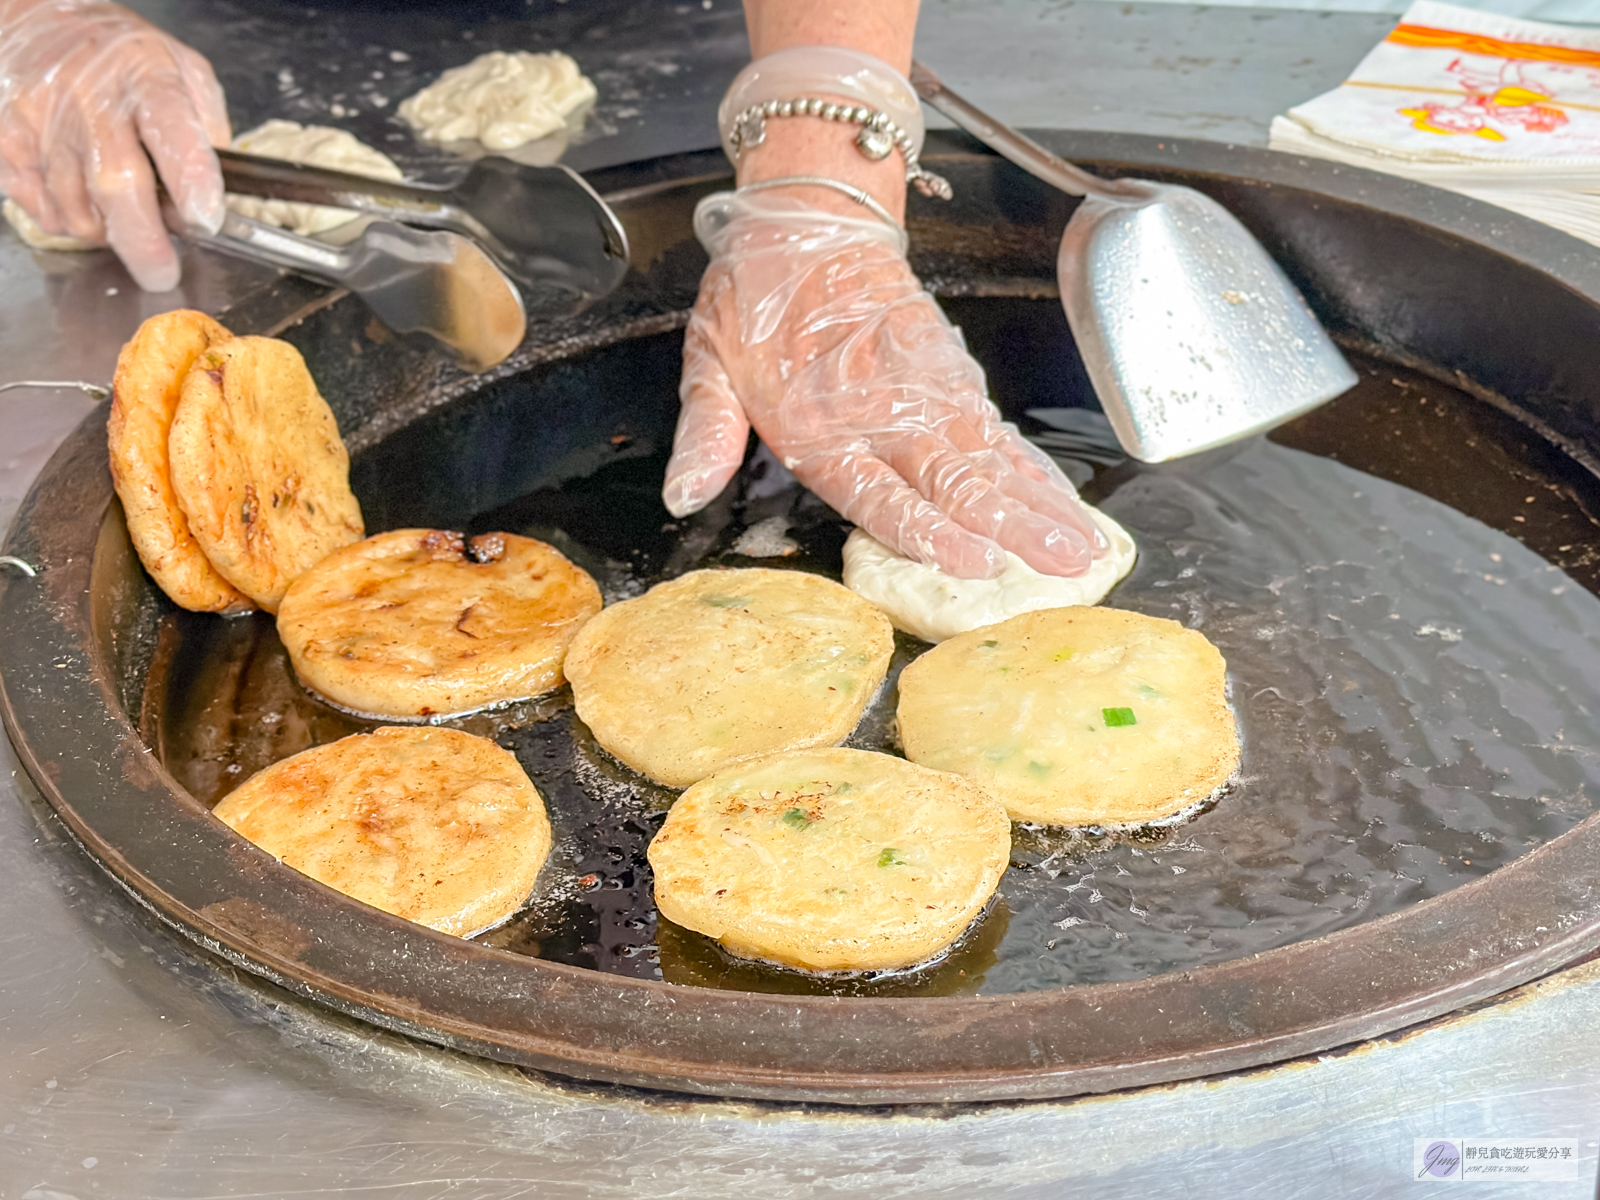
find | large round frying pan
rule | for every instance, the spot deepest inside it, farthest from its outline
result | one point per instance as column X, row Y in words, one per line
column 1464, row 293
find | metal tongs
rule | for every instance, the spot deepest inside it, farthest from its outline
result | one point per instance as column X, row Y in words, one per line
column 544, row 227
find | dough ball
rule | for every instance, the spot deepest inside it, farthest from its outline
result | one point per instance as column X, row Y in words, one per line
column 258, row 467
column 433, row 825
column 931, row 605
column 36, row 237
column 831, row 860
column 317, row 146
column 422, row 623
column 144, row 396
column 501, row 100
column 1076, row 716
column 715, row 667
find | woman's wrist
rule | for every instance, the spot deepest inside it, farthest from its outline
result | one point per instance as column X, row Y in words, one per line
column 812, row 146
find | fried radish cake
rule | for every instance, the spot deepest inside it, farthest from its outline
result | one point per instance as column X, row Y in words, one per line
column 831, row 860
column 715, row 667
column 144, row 395
column 433, row 825
column 422, row 623
column 1076, row 716
column 259, row 468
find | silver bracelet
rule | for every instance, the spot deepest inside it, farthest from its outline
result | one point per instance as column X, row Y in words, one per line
column 877, row 140
column 860, row 197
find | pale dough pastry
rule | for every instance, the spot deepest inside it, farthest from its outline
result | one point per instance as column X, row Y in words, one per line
column 313, row 145
column 831, row 860
column 34, row 234
column 501, row 100
column 931, row 605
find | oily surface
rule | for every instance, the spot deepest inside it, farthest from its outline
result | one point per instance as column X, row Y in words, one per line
column 259, row 468
column 1076, row 716
column 831, row 860
column 420, row 623
column 719, row 666
column 434, row 825
column 144, row 396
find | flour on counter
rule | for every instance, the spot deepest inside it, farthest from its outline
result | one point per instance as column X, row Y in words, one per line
column 931, row 605
column 501, row 100
column 317, row 146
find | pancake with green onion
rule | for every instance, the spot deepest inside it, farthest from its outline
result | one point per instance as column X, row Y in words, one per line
column 1076, row 716
column 716, row 667
column 831, row 860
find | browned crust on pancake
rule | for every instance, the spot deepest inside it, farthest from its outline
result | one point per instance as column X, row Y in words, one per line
column 420, row 623
column 438, row 826
column 144, row 396
column 259, row 468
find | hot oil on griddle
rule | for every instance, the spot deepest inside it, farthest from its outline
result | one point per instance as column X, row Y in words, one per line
column 1409, row 681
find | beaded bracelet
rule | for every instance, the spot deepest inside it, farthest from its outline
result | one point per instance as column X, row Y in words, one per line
column 878, row 138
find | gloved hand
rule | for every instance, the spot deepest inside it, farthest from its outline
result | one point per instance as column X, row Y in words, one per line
column 85, row 90
column 811, row 327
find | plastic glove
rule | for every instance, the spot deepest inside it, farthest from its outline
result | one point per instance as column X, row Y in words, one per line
column 85, row 90
column 811, row 327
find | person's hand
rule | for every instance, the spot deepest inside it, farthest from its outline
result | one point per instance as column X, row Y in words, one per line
column 811, row 327
column 85, row 91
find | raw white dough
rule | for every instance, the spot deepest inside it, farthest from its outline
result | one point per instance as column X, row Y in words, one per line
column 931, row 605
column 317, row 146
column 33, row 234
column 502, row 100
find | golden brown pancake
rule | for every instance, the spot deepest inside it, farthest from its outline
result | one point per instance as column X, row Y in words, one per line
column 258, row 467
column 420, row 623
column 433, row 825
column 144, row 395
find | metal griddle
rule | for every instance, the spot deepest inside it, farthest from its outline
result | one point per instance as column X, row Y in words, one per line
column 1458, row 290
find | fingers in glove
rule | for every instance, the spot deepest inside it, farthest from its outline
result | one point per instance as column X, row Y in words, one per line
column 73, row 211
column 1025, row 473
column 954, row 482
column 872, row 494
column 180, row 146
column 123, row 188
column 708, row 447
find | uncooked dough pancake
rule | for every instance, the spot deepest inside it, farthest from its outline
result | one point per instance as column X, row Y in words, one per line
column 831, row 860
column 1076, row 716
column 317, row 146
column 433, row 825
column 421, row 623
column 929, row 604
column 501, row 100
column 36, row 236
column 720, row 666
column 144, row 395
column 259, row 468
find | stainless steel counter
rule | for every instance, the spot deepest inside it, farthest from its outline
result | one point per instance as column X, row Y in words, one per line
column 132, row 1067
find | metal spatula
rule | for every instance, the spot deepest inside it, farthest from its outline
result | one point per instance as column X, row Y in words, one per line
column 1191, row 334
column 544, row 225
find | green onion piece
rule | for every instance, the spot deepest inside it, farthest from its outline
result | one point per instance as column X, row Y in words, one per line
column 891, row 858
column 990, row 644
column 796, row 818
column 725, row 601
column 1118, row 716
column 1062, row 654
